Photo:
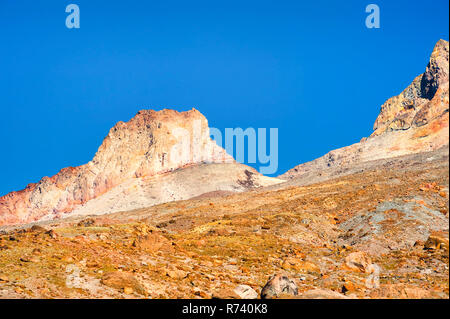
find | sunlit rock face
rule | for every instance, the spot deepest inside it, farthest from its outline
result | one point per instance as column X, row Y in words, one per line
column 414, row 121
column 149, row 144
column 425, row 100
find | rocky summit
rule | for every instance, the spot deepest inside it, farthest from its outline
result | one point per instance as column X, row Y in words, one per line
column 370, row 220
column 137, row 165
column 414, row 121
column 423, row 102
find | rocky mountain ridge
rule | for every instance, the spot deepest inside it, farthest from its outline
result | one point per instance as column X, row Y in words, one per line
column 417, row 120
column 133, row 153
column 142, row 162
column 367, row 221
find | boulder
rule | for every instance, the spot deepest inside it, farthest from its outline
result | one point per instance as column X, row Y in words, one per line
column 246, row 292
column 176, row 273
column 279, row 284
column 436, row 241
column 358, row 261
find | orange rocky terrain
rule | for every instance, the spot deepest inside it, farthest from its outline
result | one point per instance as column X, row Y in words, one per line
column 379, row 233
column 367, row 221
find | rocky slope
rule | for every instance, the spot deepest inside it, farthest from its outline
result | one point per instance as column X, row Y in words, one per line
column 415, row 121
column 125, row 170
column 367, row 221
column 193, row 181
column 380, row 233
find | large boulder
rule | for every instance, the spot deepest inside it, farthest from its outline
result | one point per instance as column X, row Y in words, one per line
column 279, row 285
column 245, row 292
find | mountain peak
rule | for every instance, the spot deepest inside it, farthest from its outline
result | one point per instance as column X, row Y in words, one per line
column 414, row 121
column 423, row 101
column 149, row 144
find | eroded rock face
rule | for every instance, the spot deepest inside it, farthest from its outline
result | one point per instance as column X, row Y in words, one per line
column 423, row 101
column 151, row 143
column 417, row 120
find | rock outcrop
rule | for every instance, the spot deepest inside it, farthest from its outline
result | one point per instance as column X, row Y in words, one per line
column 423, row 101
column 128, row 162
column 139, row 162
column 415, row 121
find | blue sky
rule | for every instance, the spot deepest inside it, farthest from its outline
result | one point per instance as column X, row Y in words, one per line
column 310, row 68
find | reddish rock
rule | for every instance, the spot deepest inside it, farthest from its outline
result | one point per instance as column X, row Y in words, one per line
column 437, row 240
column 298, row 265
column 152, row 243
column 123, row 281
column 140, row 147
column 135, row 158
column 417, row 120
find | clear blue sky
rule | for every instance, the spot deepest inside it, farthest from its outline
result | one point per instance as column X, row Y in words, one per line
column 310, row 68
